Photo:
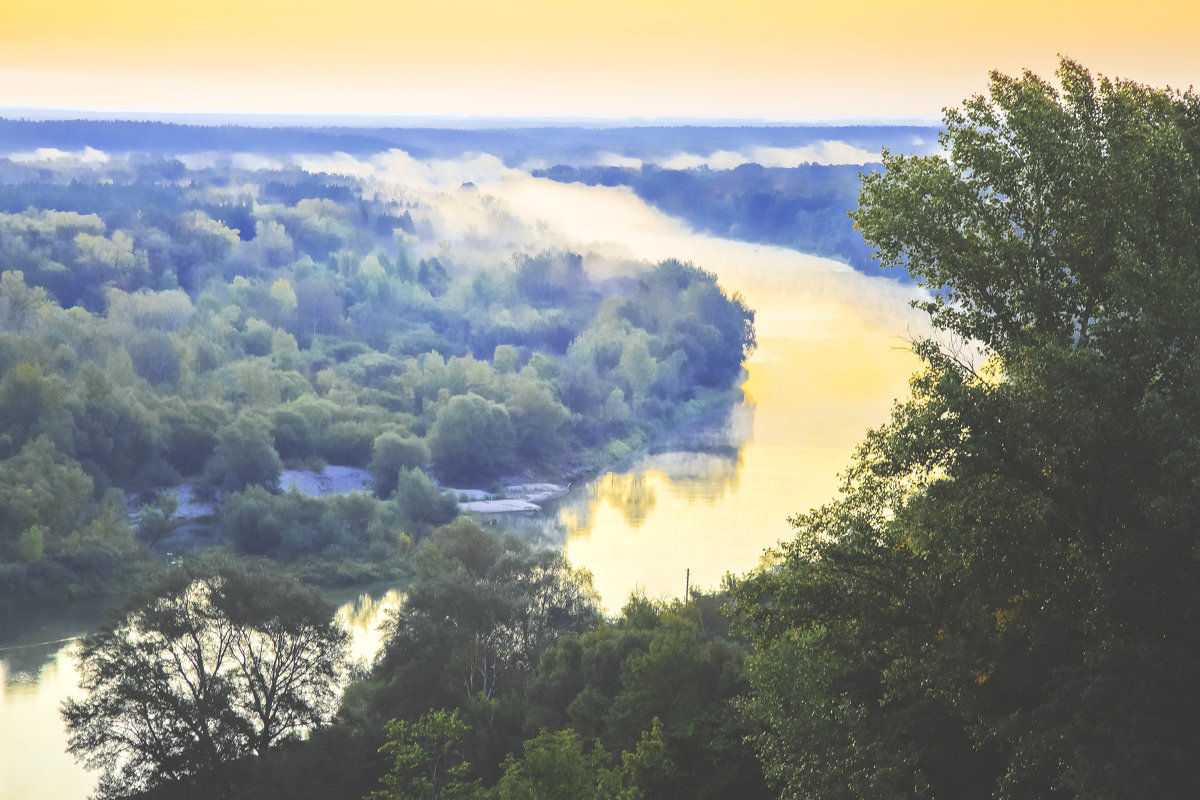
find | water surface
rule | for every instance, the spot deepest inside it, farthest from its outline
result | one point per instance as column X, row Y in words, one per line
column 712, row 504
column 37, row 672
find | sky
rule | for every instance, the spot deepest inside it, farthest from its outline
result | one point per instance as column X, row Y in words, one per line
column 735, row 59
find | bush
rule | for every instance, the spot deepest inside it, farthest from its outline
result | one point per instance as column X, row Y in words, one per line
column 251, row 522
column 391, row 453
column 472, row 438
column 421, row 506
column 244, row 456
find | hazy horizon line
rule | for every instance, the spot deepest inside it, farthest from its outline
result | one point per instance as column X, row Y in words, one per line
column 449, row 121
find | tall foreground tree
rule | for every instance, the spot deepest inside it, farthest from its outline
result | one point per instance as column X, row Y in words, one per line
column 1004, row 600
column 479, row 612
column 222, row 662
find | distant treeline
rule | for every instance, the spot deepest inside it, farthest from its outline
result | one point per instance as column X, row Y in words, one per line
column 515, row 145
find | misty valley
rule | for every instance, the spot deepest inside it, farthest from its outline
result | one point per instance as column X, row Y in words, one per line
column 196, row 340
column 604, row 462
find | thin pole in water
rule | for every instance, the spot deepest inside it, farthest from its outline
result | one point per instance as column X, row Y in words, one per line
column 687, row 589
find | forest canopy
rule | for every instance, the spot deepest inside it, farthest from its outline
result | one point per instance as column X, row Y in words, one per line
column 216, row 323
column 1001, row 602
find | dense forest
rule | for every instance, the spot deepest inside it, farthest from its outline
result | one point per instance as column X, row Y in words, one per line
column 160, row 324
column 999, row 604
column 1002, row 603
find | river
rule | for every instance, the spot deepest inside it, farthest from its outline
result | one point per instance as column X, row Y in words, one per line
column 711, row 500
column 831, row 359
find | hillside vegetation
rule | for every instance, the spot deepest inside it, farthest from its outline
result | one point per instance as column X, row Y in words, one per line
column 161, row 324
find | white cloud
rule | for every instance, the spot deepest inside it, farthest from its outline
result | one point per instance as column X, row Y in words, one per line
column 254, row 161
column 194, row 161
column 336, row 164
column 88, row 155
column 686, row 161
column 207, row 159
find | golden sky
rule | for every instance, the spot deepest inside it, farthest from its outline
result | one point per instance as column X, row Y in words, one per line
column 730, row 58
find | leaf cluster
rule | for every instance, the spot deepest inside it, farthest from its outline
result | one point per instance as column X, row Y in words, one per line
column 999, row 602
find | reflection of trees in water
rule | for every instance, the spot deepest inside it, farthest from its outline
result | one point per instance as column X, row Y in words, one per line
column 723, row 433
column 696, row 477
column 363, row 616
column 631, row 494
column 366, row 612
column 705, row 463
column 701, row 462
column 22, row 665
column 33, row 640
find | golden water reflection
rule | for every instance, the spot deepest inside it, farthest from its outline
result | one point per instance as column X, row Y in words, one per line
column 29, row 701
column 362, row 617
column 814, row 386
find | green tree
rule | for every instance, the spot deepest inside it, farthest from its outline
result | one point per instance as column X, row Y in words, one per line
column 40, row 488
column 191, row 432
column 427, row 759
column 158, row 519
column 655, row 684
column 154, row 356
column 391, row 453
column 19, row 303
column 479, row 611
column 31, row 403
column 31, row 544
column 318, row 307
column 1051, row 209
column 220, row 661
column 244, row 456
column 537, row 419
column 639, row 368
column 250, row 520
column 554, row 765
column 256, row 337
column 997, row 605
column 292, row 433
column 472, row 438
column 421, row 505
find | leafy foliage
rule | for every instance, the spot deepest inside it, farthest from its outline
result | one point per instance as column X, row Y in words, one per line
column 669, row 671
column 161, row 324
column 222, row 661
column 505, row 601
column 426, row 759
column 998, row 604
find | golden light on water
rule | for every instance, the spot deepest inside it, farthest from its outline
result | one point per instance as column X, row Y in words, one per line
column 29, row 702
column 810, row 397
column 362, row 618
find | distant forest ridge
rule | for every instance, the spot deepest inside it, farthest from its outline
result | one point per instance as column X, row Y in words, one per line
column 515, row 146
column 789, row 186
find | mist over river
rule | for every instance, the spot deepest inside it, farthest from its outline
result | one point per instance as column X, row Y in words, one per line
column 831, row 359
